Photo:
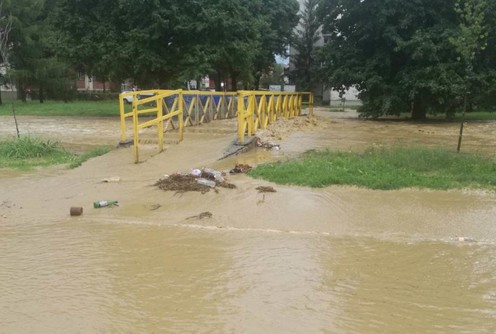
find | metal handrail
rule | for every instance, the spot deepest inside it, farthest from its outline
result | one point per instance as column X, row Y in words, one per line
column 178, row 108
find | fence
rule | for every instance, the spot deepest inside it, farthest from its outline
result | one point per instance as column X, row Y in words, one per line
column 258, row 109
column 175, row 109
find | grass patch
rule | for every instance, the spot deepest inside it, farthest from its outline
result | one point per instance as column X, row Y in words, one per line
column 457, row 117
column 78, row 160
column 58, row 108
column 383, row 168
column 27, row 153
column 476, row 116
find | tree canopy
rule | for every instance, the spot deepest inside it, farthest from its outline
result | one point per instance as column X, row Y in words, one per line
column 306, row 66
column 154, row 43
column 400, row 55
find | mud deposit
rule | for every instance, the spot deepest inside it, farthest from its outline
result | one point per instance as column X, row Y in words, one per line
column 298, row 260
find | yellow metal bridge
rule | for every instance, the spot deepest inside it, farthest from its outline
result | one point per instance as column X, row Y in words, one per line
column 175, row 109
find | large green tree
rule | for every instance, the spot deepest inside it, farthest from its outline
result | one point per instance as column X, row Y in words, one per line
column 33, row 61
column 5, row 27
column 155, row 43
column 397, row 53
column 231, row 37
column 306, row 66
column 88, row 38
column 275, row 21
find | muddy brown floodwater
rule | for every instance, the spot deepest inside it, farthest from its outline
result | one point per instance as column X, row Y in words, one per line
column 300, row 260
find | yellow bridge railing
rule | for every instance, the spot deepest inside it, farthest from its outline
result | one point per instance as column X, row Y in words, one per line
column 175, row 109
column 258, row 109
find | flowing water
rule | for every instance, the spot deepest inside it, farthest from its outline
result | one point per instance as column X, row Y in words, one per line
column 333, row 260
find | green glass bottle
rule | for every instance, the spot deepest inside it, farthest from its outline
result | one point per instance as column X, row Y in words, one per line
column 101, row 204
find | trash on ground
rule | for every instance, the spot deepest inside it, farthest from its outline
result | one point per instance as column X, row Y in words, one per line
column 102, row 204
column 154, row 207
column 212, row 174
column 76, row 211
column 464, row 239
column 268, row 145
column 202, row 215
column 206, row 182
column 265, row 189
column 225, row 184
column 113, row 179
column 208, row 173
column 240, row 169
column 188, row 182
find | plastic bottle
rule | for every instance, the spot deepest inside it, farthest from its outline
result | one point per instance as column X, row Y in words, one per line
column 101, row 204
column 213, row 174
column 206, row 182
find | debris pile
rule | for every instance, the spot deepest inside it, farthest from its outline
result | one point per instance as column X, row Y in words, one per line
column 240, row 169
column 198, row 180
column 268, row 145
column 264, row 189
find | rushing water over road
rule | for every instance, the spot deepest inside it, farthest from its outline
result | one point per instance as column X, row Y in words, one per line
column 333, row 260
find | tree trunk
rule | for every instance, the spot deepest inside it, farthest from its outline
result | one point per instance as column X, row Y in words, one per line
column 21, row 93
column 234, row 82
column 218, row 79
column 1, row 101
column 42, row 95
column 418, row 110
column 462, row 123
column 257, row 80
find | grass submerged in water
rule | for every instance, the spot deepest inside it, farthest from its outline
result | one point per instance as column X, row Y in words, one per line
column 385, row 168
column 27, row 153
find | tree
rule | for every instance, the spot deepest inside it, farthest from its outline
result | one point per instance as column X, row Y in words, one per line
column 231, row 38
column 305, row 73
column 275, row 21
column 469, row 42
column 396, row 53
column 162, row 43
column 5, row 27
column 88, row 35
column 33, row 61
column 273, row 76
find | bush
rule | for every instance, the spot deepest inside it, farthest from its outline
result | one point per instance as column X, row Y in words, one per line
column 96, row 96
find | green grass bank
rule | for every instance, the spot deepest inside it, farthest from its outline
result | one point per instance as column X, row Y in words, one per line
column 58, row 108
column 27, row 153
column 385, row 168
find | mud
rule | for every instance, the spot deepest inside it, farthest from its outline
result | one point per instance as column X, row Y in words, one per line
column 298, row 260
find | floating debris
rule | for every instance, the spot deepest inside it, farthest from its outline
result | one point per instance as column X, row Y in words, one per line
column 206, row 182
column 113, row 179
column 464, row 239
column 181, row 183
column 267, row 145
column 240, row 169
column 227, row 185
column 76, row 211
column 265, row 189
column 105, row 203
column 202, row 215
column 188, row 182
column 154, row 207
